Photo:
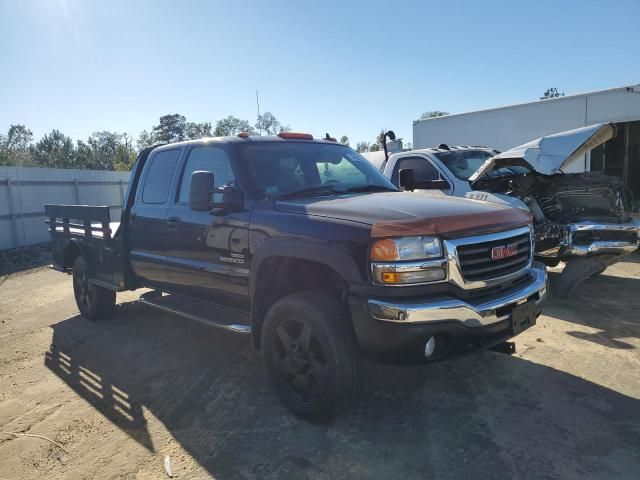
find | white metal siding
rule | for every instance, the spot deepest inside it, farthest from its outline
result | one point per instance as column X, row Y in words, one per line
column 508, row 127
column 54, row 186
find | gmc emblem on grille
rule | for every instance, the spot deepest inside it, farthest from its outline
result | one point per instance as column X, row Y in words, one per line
column 501, row 252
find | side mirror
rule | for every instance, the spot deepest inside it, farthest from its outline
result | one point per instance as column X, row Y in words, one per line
column 406, row 179
column 201, row 191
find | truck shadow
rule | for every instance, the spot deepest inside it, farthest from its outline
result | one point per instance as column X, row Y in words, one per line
column 485, row 414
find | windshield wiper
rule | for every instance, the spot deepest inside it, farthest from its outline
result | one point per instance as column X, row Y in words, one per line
column 371, row 188
column 305, row 192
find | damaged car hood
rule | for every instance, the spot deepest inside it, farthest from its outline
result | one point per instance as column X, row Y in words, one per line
column 548, row 155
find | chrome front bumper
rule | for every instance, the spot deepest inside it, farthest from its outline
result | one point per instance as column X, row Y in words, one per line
column 602, row 246
column 467, row 313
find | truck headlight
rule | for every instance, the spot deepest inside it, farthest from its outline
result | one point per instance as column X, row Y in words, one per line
column 407, row 261
column 406, row 249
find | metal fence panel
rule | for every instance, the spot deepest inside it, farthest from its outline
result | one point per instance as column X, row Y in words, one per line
column 25, row 191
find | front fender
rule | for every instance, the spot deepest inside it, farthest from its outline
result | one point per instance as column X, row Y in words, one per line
column 335, row 257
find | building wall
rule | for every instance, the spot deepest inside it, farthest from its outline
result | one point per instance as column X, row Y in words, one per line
column 25, row 191
column 507, row 127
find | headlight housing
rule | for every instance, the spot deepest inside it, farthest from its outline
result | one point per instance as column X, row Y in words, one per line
column 408, row 261
column 406, row 249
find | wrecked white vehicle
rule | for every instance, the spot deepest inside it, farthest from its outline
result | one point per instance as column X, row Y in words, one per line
column 581, row 219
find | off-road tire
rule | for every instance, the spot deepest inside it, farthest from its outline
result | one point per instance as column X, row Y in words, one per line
column 94, row 302
column 336, row 371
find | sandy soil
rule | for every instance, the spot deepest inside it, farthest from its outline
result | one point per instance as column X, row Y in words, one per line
column 120, row 395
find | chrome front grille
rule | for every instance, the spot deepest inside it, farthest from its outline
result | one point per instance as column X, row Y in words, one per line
column 473, row 263
column 476, row 262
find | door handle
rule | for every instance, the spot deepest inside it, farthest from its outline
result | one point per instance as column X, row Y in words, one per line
column 172, row 222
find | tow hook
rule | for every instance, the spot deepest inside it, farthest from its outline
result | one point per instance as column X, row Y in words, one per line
column 505, row 347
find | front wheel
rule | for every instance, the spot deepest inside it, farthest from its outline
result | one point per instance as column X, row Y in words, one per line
column 94, row 303
column 311, row 355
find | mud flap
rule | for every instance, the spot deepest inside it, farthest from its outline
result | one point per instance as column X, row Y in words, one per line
column 578, row 269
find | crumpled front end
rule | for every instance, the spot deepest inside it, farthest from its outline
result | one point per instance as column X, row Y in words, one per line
column 581, row 215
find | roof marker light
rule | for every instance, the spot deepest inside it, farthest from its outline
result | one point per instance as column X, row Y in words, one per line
column 296, row 136
column 243, row 134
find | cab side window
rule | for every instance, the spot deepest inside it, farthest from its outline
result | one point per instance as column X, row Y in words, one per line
column 159, row 176
column 422, row 168
column 210, row 159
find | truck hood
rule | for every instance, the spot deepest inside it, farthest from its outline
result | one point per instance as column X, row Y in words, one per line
column 404, row 213
column 548, row 155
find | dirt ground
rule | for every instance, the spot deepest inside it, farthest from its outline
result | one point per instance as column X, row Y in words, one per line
column 120, row 395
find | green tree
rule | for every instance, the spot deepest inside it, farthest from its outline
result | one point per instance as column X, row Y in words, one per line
column 124, row 158
column 374, row 147
column 128, row 142
column 104, row 146
column 551, row 93
column 198, row 130
column 172, row 128
column 54, row 150
column 344, row 140
column 14, row 147
column 4, row 156
column 231, row 126
column 270, row 125
column 145, row 139
column 362, row 147
column 432, row 114
column 83, row 155
column 19, row 138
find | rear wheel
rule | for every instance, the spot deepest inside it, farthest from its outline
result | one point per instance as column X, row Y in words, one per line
column 94, row 302
column 311, row 355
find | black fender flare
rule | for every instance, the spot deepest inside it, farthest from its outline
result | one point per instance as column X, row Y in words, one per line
column 333, row 257
column 339, row 260
column 84, row 251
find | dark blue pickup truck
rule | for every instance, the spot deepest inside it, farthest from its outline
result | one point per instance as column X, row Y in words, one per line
column 304, row 245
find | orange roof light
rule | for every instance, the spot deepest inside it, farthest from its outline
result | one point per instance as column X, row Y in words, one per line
column 243, row 134
column 295, row 136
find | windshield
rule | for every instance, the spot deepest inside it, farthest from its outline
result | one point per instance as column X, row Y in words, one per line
column 284, row 168
column 464, row 163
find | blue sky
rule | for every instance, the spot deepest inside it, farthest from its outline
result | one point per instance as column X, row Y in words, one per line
column 339, row 67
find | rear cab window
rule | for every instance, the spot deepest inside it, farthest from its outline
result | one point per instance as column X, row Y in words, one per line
column 160, row 176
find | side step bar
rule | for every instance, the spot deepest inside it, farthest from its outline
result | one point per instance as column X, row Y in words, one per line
column 195, row 310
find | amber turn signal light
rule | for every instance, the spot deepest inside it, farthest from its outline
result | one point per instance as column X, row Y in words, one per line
column 384, row 250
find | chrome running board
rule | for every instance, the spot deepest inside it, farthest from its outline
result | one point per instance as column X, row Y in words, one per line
column 194, row 310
